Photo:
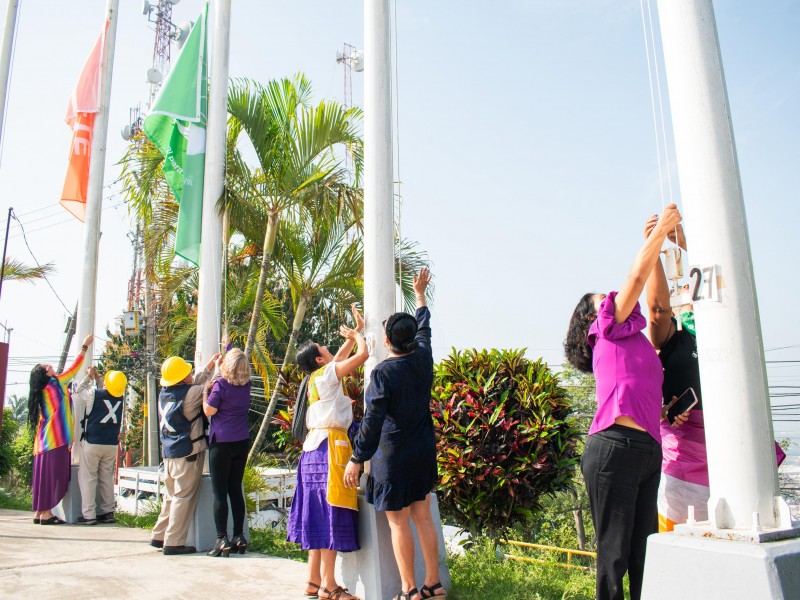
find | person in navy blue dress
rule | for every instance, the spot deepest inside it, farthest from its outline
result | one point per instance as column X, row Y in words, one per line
column 397, row 437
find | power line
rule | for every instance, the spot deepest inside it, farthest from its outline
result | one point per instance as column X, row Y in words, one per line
column 24, row 237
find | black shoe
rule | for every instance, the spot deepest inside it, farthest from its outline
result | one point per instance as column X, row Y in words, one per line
column 106, row 518
column 82, row 521
column 239, row 544
column 157, row 543
column 222, row 547
column 169, row 550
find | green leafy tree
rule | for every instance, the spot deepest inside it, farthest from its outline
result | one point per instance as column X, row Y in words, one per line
column 293, row 142
column 19, row 407
column 505, row 438
column 314, row 256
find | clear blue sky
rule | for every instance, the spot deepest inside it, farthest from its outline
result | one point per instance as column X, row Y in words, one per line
column 527, row 152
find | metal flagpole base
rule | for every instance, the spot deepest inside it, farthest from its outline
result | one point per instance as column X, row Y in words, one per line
column 372, row 571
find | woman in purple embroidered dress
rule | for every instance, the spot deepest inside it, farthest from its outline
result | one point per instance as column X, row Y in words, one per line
column 621, row 462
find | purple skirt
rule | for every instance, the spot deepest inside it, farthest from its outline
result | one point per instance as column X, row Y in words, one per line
column 51, row 473
column 313, row 523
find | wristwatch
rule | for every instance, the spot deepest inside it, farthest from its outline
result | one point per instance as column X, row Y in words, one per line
column 353, row 459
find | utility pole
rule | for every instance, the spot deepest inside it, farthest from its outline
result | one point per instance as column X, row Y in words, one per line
column 745, row 504
column 70, row 331
column 209, row 305
column 5, row 248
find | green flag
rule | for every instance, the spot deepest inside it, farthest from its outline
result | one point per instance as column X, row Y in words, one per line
column 177, row 126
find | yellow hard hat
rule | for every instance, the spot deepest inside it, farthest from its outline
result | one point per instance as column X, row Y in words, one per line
column 115, row 383
column 174, row 370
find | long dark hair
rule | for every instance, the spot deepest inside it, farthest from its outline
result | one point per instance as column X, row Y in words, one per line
column 39, row 379
column 400, row 329
column 576, row 347
column 306, row 357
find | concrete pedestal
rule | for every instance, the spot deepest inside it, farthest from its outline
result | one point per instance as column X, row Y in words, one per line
column 69, row 508
column 688, row 567
column 202, row 532
column 372, row 571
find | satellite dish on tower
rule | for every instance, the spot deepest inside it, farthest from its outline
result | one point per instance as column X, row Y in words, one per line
column 146, row 7
column 182, row 32
column 153, row 75
column 357, row 60
column 127, row 133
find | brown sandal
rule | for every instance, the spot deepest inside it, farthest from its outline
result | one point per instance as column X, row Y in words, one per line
column 339, row 593
column 315, row 593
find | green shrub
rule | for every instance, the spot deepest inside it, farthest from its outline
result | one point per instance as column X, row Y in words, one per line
column 22, row 447
column 8, row 434
column 505, row 438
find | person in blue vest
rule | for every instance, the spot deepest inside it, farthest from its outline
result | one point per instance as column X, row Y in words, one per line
column 100, row 411
column 183, row 446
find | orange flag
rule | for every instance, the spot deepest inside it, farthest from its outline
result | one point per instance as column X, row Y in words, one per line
column 83, row 105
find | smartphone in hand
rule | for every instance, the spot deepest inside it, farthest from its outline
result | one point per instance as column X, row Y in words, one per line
column 678, row 406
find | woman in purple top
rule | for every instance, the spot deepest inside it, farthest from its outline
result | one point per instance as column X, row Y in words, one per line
column 227, row 406
column 621, row 462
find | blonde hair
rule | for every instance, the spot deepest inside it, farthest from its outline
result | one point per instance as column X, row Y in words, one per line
column 234, row 368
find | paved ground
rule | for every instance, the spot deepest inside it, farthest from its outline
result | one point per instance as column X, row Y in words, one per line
column 66, row 562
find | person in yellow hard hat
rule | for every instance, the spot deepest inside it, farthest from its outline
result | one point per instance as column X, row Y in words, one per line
column 100, row 411
column 183, row 446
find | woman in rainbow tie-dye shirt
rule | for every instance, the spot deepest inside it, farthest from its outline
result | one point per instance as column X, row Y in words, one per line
column 50, row 414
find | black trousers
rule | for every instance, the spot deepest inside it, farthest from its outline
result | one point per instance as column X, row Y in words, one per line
column 226, row 461
column 622, row 468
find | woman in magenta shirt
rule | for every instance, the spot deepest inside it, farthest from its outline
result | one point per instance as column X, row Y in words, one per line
column 621, row 462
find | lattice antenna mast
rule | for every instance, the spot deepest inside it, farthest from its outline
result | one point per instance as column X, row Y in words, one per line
column 352, row 59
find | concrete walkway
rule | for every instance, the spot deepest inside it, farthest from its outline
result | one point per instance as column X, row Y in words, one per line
column 63, row 562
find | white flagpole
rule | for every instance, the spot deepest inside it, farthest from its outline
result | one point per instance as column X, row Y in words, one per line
column 5, row 57
column 210, row 284
column 94, row 194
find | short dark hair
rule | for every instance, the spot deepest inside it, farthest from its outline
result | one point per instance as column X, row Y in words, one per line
column 306, row 357
column 576, row 346
column 401, row 329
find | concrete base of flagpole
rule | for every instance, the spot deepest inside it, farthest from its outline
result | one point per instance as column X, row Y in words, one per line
column 689, row 567
column 372, row 572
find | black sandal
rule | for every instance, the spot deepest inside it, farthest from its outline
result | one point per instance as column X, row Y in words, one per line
column 429, row 592
column 406, row 595
column 54, row 520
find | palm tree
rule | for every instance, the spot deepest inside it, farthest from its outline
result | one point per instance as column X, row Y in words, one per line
column 293, row 142
column 19, row 271
column 314, row 256
column 19, row 408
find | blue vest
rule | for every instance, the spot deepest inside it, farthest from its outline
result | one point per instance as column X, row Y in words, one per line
column 175, row 428
column 102, row 425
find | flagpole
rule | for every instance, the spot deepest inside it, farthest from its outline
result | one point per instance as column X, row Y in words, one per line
column 5, row 58
column 210, row 281
column 94, row 195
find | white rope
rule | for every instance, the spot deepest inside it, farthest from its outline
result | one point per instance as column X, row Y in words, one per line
column 660, row 103
column 653, row 65
column 397, row 145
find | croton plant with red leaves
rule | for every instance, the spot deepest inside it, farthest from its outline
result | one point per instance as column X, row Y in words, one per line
column 505, row 438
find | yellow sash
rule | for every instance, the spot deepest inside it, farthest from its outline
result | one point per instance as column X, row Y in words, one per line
column 339, row 453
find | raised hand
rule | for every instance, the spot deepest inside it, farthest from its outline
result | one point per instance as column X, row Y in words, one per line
column 88, row 340
column 421, row 281
column 357, row 316
column 670, row 218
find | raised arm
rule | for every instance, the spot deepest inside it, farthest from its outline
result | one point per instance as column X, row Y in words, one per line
column 643, row 264
column 658, row 300
column 346, row 364
column 73, row 369
column 368, row 437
